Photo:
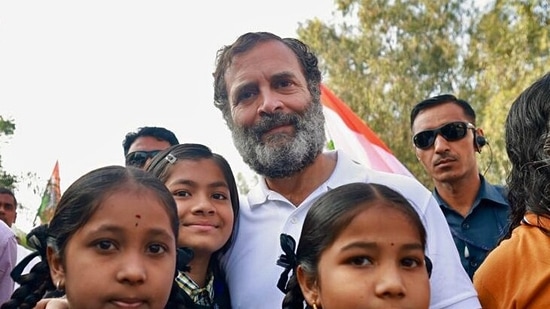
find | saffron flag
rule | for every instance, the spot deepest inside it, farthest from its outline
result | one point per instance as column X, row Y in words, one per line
column 50, row 197
column 350, row 133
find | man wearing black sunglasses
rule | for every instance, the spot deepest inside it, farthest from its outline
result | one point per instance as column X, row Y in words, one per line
column 446, row 141
column 141, row 146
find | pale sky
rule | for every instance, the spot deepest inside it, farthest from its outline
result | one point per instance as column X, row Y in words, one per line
column 76, row 76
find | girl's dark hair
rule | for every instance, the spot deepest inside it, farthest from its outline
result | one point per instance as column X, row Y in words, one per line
column 527, row 136
column 162, row 163
column 329, row 216
column 79, row 202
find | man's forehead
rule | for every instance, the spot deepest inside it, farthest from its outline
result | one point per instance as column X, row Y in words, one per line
column 266, row 61
column 267, row 53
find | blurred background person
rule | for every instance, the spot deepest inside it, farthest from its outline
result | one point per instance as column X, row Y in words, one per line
column 142, row 145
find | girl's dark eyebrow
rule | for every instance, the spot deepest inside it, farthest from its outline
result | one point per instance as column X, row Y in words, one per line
column 372, row 245
column 112, row 228
column 360, row 244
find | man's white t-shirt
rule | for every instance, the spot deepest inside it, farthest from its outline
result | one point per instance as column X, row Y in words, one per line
column 250, row 264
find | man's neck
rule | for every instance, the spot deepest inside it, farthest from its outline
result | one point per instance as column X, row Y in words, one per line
column 460, row 195
column 298, row 187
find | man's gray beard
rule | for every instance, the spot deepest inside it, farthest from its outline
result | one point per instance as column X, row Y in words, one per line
column 282, row 155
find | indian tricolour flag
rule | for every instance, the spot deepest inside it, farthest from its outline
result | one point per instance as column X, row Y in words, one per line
column 50, row 197
column 346, row 131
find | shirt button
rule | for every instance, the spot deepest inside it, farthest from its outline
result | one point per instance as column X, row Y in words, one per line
column 473, row 264
column 465, row 226
column 293, row 220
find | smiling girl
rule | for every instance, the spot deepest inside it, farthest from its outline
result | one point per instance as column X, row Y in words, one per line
column 203, row 185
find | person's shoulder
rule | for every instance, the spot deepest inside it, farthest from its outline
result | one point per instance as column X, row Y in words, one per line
column 6, row 233
column 503, row 190
column 497, row 260
column 4, row 228
column 498, row 193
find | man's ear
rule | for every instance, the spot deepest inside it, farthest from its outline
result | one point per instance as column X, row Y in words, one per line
column 308, row 285
column 57, row 270
column 480, row 140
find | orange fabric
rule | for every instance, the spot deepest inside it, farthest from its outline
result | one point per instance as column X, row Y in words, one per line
column 516, row 274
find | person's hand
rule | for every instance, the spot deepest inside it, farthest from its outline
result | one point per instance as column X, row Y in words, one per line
column 52, row 303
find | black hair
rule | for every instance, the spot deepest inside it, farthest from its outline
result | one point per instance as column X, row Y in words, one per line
column 4, row 190
column 224, row 58
column 329, row 216
column 442, row 99
column 160, row 133
column 76, row 206
column 527, row 137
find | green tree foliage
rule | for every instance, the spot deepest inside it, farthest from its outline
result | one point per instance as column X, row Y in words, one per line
column 509, row 50
column 383, row 56
column 7, row 127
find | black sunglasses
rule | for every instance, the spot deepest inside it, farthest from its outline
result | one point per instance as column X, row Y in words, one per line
column 451, row 131
column 138, row 158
